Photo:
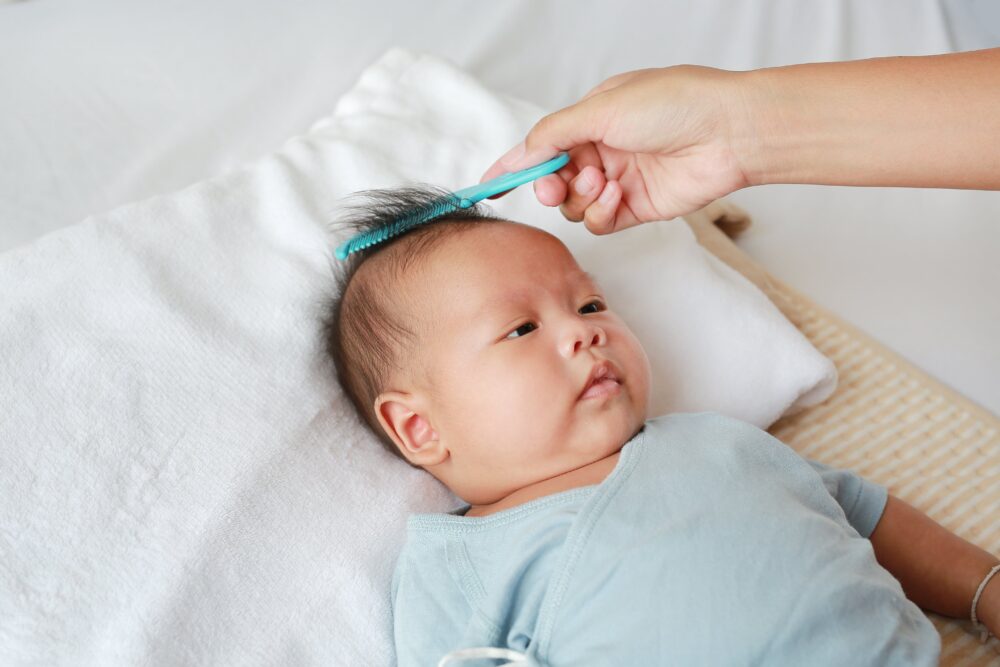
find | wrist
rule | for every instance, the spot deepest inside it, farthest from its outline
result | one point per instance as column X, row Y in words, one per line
column 759, row 114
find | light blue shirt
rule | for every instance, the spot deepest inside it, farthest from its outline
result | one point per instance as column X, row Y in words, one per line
column 710, row 543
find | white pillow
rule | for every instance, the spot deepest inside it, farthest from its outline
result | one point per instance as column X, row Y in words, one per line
column 181, row 479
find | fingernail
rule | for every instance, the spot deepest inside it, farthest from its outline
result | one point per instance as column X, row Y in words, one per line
column 513, row 155
column 607, row 195
column 583, row 185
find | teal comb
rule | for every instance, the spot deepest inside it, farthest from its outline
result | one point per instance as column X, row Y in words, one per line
column 461, row 199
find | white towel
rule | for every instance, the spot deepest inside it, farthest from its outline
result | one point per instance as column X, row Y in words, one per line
column 181, row 479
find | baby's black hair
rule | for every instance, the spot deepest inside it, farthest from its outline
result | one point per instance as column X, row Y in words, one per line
column 366, row 331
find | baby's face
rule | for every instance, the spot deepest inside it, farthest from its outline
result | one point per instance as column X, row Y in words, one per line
column 511, row 330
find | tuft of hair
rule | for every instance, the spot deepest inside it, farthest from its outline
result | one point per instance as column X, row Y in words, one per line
column 365, row 329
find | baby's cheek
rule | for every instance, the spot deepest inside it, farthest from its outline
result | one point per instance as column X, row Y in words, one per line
column 505, row 398
column 640, row 371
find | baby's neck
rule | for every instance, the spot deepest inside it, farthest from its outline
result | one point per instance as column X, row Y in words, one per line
column 592, row 473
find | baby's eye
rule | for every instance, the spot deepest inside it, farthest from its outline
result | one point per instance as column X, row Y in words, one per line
column 524, row 329
column 528, row 327
column 598, row 305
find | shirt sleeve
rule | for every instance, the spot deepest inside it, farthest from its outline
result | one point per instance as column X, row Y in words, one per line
column 863, row 501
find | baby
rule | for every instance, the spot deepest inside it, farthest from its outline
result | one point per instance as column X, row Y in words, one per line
column 477, row 349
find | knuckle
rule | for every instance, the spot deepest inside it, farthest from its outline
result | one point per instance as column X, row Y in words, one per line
column 592, row 222
column 571, row 213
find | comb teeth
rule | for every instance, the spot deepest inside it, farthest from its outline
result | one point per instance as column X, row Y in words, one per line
column 403, row 224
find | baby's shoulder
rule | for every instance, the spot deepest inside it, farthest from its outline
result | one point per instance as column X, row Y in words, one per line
column 710, row 436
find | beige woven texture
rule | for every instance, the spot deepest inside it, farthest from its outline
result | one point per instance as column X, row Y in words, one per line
column 889, row 422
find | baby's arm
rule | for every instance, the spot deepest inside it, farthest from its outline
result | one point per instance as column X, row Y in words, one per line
column 939, row 570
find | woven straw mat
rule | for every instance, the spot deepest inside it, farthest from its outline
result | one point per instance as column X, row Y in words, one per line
column 887, row 421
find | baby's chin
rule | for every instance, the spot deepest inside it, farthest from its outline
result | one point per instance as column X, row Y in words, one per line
column 620, row 412
column 606, row 433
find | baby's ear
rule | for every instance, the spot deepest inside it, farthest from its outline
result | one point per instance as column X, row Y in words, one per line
column 405, row 420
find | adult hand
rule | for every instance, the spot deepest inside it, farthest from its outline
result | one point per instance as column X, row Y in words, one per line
column 645, row 145
column 657, row 143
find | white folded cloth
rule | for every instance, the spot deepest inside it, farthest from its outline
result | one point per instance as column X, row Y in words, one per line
column 181, row 479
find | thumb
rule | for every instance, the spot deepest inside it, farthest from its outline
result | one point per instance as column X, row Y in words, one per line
column 559, row 131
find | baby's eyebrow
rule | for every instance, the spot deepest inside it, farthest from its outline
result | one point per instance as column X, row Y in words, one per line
column 492, row 304
column 519, row 295
column 589, row 278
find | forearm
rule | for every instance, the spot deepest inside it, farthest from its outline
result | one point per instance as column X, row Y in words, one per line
column 938, row 570
column 920, row 121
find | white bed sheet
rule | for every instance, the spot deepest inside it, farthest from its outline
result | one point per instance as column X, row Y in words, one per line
column 112, row 101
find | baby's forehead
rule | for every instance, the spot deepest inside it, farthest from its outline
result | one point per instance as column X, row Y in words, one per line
column 504, row 244
column 497, row 264
column 505, row 253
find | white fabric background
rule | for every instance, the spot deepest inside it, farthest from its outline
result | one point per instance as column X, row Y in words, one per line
column 111, row 101
column 181, row 479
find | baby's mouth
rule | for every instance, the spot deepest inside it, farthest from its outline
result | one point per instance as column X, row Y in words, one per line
column 602, row 381
column 601, row 388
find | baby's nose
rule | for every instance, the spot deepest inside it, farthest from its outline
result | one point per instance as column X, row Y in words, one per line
column 595, row 340
column 586, row 336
